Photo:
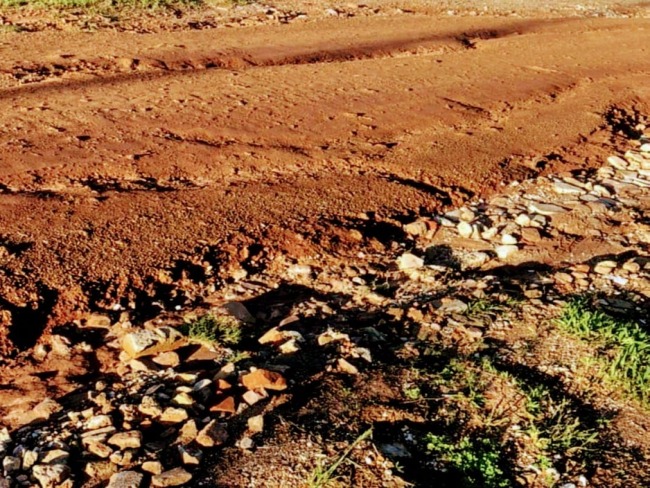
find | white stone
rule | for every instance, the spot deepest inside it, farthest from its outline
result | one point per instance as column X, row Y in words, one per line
column 505, row 251
column 465, row 230
column 408, row 261
column 545, row 208
column 617, row 162
column 564, row 188
column 508, row 239
column 645, row 147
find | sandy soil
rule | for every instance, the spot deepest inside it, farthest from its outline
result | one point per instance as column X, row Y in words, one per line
column 133, row 165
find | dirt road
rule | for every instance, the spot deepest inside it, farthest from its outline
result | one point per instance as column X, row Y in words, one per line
column 129, row 162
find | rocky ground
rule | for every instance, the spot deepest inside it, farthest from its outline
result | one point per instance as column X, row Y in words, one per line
column 463, row 349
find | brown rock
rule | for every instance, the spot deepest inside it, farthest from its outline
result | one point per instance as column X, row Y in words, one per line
column 531, row 234
column 263, row 378
column 226, row 405
column 188, row 433
column 153, row 467
column 172, row 415
column 125, row 479
column 213, row 434
column 168, row 359
column 173, row 477
column 126, row 440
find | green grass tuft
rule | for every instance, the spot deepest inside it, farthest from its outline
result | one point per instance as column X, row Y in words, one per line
column 477, row 461
column 625, row 354
column 211, row 330
column 323, row 475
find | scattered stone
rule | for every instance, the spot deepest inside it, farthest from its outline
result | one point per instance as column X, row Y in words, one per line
column 246, row 443
column 408, row 261
column 617, row 162
column 545, row 208
column 252, row 397
column 126, row 479
column 55, row 456
column 300, row 270
column 522, row 220
column 465, row 230
column 227, row 404
column 11, row 464
column 50, row 476
column 183, row 399
column 417, row 228
column 508, row 239
column 100, row 470
column 531, row 234
column 169, row 359
column 190, row 456
column 332, row 336
column 172, row 415
column 290, row 347
column 99, row 449
column 263, row 378
column 505, row 251
column 127, row 440
column 153, row 467
column 173, row 477
column 564, row 188
column 347, row 367
column 256, row 424
column 187, row 433
column 605, row 267
column 213, row 434
column 240, row 312
column 98, row 422
column 30, row 458
column 150, row 407
column 150, row 342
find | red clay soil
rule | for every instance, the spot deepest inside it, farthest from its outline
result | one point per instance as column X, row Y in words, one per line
column 124, row 158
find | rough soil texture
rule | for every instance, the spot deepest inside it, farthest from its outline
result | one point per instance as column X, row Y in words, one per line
column 142, row 167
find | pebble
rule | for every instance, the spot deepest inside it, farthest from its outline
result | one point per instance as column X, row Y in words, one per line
column 617, row 162
column 126, row 479
column 545, row 208
column 523, row 220
column 173, row 477
column 172, row 415
column 347, row 367
column 408, row 261
column 213, row 434
column 564, row 188
column 126, row 440
column 465, row 230
column 508, row 239
column 153, row 467
column 505, row 251
column 149, row 342
column 256, row 424
column 50, row 476
column 263, row 378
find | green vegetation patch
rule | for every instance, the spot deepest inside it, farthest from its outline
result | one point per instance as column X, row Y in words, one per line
column 624, row 355
column 477, row 461
column 211, row 330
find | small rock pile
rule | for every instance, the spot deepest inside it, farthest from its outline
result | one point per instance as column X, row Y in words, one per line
column 513, row 227
column 150, row 426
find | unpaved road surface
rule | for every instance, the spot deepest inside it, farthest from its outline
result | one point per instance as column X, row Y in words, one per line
column 131, row 162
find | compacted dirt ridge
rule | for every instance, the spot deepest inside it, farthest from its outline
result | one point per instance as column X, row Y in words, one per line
column 147, row 165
